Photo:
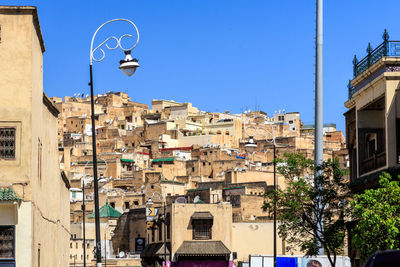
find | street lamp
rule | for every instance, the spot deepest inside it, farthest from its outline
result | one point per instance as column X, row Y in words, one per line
column 251, row 145
column 149, row 203
column 84, row 209
column 128, row 66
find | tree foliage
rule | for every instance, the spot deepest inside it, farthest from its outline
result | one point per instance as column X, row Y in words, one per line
column 301, row 221
column 377, row 212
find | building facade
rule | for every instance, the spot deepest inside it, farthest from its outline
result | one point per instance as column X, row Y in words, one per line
column 373, row 116
column 34, row 196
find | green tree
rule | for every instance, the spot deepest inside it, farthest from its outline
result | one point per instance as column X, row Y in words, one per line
column 301, row 222
column 377, row 216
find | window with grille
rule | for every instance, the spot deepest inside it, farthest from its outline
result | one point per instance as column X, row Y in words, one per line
column 202, row 229
column 7, row 143
column 7, row 243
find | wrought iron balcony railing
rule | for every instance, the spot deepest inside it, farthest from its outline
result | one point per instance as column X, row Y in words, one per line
column 385, row 49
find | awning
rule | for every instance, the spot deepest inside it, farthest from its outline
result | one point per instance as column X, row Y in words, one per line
column 8, row 194
column 202, row 215
column 164, row 160
column 127, row 160
column 202, row 248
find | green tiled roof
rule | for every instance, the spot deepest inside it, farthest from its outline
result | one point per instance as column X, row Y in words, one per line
column 107, row 212
column 163, row 160
column 8, row 194
column 127, row 160
column 198, row 189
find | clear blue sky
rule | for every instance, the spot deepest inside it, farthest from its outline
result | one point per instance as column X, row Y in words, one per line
column 219, row 55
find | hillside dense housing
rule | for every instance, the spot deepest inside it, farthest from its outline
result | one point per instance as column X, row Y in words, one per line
column 174, row 153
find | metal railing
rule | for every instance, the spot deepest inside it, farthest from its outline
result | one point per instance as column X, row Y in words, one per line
column 385, row 49
column 373, row 163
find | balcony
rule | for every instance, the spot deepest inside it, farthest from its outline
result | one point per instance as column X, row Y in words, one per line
column 373, row 163
column 385, row 49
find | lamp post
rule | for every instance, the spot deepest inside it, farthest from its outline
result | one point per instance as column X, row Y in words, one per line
column 251, row 144
column 84, row 211
column 149, row 203
column 128, row 66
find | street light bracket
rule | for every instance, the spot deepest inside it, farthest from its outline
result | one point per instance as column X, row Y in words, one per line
column 117, row 40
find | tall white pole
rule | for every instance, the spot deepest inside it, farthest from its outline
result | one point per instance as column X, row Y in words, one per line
column 319, row 105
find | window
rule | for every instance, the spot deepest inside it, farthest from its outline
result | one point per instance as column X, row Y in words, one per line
column 290, row 122
column 192, row 169
column 135, row 202
column 202, row 229
column 70, row 245
column 152, row 234
column 160, row 233
column 112, row 204
column 126, row 205
column 205, row 153
column 204, row 164
column 7, row 143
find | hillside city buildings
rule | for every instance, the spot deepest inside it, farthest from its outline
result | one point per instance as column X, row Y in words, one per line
column 173, row 156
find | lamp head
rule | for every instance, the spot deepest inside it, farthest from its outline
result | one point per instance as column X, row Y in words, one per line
column 149, row 202
column 129, row 64
column 251, row 144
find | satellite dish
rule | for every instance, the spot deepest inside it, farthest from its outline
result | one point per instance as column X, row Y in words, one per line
column 122, row 254
column 222, row 173
column 236, row 169
column 217, row 175
column 196, row 199
column 180, row 200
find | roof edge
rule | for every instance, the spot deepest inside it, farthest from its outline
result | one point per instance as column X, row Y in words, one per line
column 33, row 10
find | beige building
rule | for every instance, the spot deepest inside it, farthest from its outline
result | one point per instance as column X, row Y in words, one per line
column 34, row 197
column 373, row 116
column 192, row 233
